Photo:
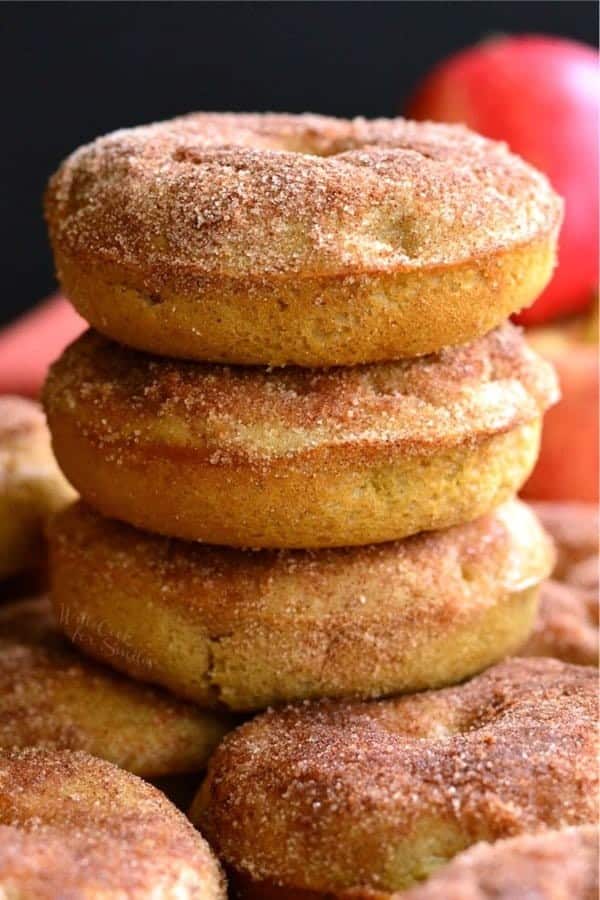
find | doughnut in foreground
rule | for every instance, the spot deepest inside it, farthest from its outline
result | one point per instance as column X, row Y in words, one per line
column 51, row 696
column 327, row 796
column 304, row 458
column 278, row 239
column 251, row 629
column 72, row 825
column 31, row 484
column 552, row 865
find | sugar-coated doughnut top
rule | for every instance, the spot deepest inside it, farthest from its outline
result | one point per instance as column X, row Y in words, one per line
column 245, row 196
column 331, row 787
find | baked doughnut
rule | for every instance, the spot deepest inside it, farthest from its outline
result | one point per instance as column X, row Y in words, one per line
column 326, row 796
column 73, row 826
column 585, row 574
column 576, row 532
column 31, row 484
column 304, row 458
column 553, row 865
column 277, row 239
column 566, row 626
column 52, row 696
column 250, row 629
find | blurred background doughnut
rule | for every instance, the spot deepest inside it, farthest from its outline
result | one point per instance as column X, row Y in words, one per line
column 567, row 623
column 575, row 528
column 31, row 485
column 566, row 626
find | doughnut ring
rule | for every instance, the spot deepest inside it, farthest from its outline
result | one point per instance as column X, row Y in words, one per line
column 247, row 629
column 51, row 696
column 326, row 796
column 337, row 457
column 548, row 866
column 72, row 825
column 31, row 484
column 566, row 626
column 278, row 239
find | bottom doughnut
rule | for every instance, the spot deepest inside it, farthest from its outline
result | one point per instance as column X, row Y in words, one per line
column 246, row 630
column 73, row 826
column 328, row 796
column 575, row 529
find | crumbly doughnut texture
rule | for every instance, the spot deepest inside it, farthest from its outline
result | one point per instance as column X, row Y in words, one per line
column 303, row 458
column 75, row 826
column 553, row 865
column 278, row 239
column 250, row 629
column 31, row 484
column 327, row 796
column 51, row 696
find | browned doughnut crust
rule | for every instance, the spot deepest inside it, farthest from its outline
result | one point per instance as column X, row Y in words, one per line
column 302, row 458
column 51, row 696
column 553, row 865
column 566, row 626
column 326, row 796
column 72, row 826
column 576, row 532
column 251, row 629
column 278, row 239
column 31, row 485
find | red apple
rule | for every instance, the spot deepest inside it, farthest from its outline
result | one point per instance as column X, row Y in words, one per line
column 568, row 465
column 542, row 96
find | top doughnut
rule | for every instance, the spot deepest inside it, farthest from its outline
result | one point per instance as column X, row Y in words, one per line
column 278, row 239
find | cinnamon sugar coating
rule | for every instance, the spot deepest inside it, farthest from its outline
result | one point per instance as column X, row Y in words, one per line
column 195, row 237
column 327, row 796
column 553, row 865
column 75, row 826
column 53, row 697
column 248, row 629
column 31, row 485
column 306, row 458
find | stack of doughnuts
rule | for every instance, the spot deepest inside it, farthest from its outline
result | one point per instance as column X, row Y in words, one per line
column 297, row 426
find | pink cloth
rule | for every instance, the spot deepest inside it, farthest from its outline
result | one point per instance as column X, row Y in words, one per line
column 29, row 345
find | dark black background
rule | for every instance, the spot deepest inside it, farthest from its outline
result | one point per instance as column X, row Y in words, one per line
column 71, row 71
